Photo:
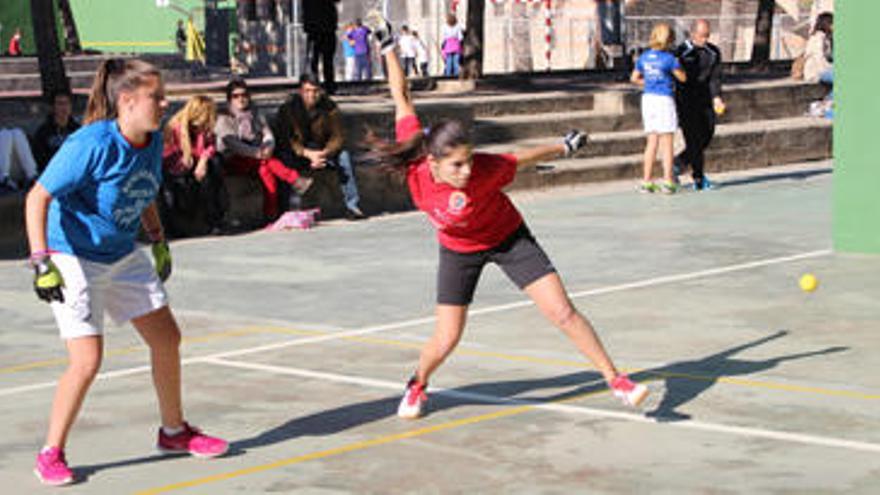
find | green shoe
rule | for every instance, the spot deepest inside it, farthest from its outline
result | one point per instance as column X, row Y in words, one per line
column 669, row 188
column 647, row 187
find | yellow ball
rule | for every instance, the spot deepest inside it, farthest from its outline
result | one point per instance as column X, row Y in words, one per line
column 808, row 282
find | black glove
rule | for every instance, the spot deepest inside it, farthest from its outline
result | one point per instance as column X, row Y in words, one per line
column 47, row 280
column 574, row 141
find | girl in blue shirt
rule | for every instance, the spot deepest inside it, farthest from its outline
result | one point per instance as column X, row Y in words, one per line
column 655, row 70
column 82, row 218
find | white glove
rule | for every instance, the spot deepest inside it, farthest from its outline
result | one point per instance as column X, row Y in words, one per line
column 573, row 141
column 381, row 29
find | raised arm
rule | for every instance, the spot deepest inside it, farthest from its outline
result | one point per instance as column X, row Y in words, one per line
column 403, row 105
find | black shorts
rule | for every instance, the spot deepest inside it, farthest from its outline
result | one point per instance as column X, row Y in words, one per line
column 519, row 256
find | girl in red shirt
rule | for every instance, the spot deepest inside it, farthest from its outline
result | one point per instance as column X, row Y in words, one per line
column 461, row 192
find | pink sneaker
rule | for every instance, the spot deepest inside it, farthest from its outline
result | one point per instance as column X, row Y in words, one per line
column 52, row 467
column 630, row 393
column 414, row 399
column 191, row 440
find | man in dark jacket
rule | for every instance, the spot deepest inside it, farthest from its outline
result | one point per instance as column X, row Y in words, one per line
column 308, row 127
column 320, row 18
column 698, row 100
column 54, row 130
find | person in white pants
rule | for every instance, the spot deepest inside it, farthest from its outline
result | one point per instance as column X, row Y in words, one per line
column 15, row 150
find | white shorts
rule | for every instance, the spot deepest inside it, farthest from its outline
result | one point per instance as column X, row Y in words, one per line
column 658, row 114
column 126, row 289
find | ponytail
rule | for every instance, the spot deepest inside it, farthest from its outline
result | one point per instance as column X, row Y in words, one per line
column 436, row 141
column 113, row 77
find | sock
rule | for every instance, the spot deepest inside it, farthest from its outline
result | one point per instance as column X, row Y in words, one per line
column 172, row 431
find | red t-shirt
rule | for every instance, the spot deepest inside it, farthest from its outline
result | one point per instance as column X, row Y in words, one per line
column 475, row 218
column 15, row 46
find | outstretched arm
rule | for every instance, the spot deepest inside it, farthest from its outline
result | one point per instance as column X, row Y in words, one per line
column 571, row 143
column 533, row 156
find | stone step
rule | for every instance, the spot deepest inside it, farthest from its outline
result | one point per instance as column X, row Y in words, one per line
column 86, row 63
column 735, row 147
column 619, row 111
column 733, row 135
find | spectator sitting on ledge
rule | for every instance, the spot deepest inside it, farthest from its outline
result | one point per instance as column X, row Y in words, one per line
column 310, row 137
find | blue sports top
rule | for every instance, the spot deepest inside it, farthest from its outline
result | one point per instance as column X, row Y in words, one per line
column 100, row 183
column 656, row 67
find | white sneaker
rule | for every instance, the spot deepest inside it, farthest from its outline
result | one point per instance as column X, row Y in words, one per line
column 631, row 393
column 412, row 405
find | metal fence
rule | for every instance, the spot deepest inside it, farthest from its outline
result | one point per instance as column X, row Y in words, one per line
column 518, row 44
column 734, row 35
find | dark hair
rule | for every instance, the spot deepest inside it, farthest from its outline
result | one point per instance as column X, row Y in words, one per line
column 438, row 141
column 309, row 78
column 60, row 92
column 233, row 84
column 115, row 76
column 824, row 22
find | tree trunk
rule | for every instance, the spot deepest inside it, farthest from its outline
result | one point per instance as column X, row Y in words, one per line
column 763, row 33
column 52, row 75
column 71, row 36
column 472, row 66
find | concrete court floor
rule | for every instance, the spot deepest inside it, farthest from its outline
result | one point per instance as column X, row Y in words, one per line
column 298, row 344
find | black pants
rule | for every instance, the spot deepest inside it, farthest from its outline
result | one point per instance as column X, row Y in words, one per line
column 322, row 47
column 698, row 126
column 189, row 207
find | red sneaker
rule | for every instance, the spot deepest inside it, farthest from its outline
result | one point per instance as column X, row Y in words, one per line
column 414, row 399
column 52, row 467
column 193, row 441
column 630, row 393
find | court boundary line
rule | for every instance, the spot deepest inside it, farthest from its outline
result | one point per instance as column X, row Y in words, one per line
column 519, row 406
column 664, row 279
column 803, row 438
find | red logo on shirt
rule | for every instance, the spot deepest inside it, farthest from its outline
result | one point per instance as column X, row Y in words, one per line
column 457, row 201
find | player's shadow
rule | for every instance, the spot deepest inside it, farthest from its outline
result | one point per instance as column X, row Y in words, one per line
column 686, row 380
column 331, row 421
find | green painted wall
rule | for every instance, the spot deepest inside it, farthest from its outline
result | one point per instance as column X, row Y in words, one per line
column 856, row 203
column 135, row 26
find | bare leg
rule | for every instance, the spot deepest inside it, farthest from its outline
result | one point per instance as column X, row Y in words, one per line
column 666, row 155
column 160, row 332
column 549, row 295
column 84, row 361
column 650, row 154
column 447, row 333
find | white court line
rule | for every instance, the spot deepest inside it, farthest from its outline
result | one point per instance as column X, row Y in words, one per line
column 742, row 431
column 428, row 319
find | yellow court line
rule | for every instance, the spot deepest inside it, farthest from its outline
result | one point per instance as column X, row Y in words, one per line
column 125, row 43
column 374, row 442
column 336, row 451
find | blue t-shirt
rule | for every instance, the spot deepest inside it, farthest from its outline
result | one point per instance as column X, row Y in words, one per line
column 100, row 184
column 347, row 48
column 656, row 67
